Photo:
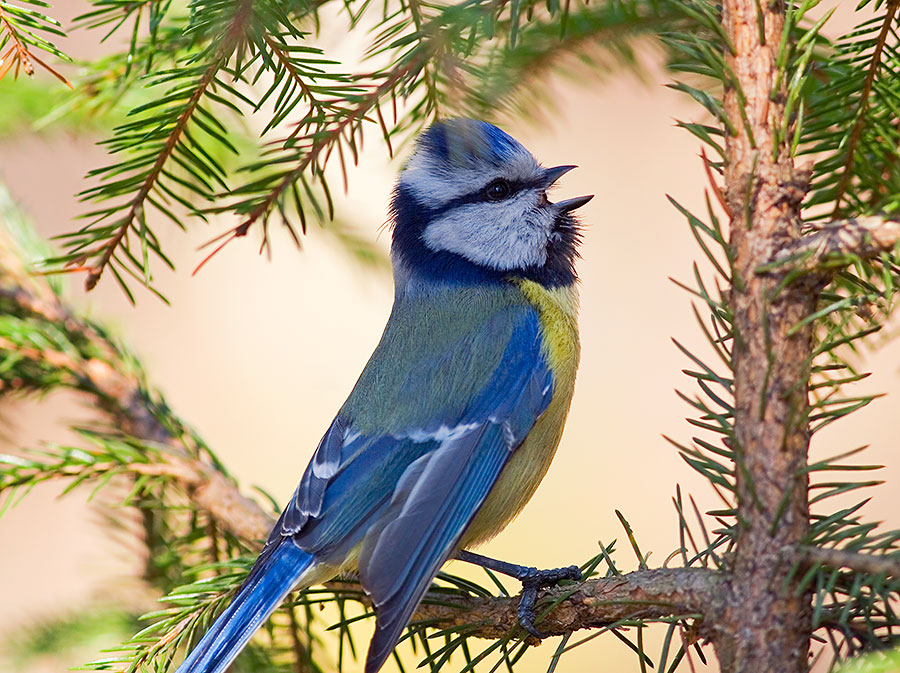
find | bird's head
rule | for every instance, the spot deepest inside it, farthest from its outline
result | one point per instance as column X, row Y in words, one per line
column 471, row 203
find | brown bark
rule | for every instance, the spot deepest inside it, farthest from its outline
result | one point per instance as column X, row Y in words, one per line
column 766, row 625
column 595, row 603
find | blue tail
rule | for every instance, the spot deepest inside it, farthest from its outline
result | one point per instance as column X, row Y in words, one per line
column 271, row 579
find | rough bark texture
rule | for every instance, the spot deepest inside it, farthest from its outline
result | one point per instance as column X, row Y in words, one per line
column 595, row 603
column 766, row 626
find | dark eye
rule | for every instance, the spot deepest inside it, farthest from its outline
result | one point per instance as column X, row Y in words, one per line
column 498, row 190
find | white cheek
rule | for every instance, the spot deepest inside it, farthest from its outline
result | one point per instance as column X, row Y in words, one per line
column 502, row 236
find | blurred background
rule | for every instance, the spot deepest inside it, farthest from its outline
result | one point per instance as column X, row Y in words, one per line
column 258, row 354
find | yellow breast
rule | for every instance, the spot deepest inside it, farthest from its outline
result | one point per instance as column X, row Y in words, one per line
column 558, row 311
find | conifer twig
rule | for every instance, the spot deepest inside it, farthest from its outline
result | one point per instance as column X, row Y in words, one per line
column 830, row 246
column 120, row 391
column 859, row 125
column 841, row 558
column 18, row 54
column 105, row 251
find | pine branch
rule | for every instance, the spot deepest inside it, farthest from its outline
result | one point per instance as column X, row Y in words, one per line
column 17, row 26
column 650, row 594
column 103, row 253
column 864, row 102
column 846, row 119
column 87, row 360
column 136, row 206
column 323, row 143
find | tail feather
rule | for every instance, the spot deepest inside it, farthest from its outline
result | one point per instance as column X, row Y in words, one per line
column 265, row 588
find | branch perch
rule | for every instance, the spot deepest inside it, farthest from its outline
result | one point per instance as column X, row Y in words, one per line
column 594, row 603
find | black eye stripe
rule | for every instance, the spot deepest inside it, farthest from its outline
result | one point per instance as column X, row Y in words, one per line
column 480, row 196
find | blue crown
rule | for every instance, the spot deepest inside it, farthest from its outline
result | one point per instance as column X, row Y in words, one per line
column 467, row 142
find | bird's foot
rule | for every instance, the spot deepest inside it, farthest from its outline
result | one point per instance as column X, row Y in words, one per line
column 532, row 581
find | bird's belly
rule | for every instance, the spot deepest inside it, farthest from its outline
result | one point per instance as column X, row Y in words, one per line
column 521, row 476
column 530, row 462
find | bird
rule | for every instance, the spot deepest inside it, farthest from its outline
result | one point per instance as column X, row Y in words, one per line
column 459, row 411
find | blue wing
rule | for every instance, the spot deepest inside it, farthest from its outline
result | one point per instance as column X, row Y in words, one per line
column 406, row 495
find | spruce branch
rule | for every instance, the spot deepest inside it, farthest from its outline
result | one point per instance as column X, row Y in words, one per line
column 846, row 119
column 864, row 103
column 649, row 594
column 105, row 252
column 440, row 58
column 345, row 123
column 17, row 32
column 83, row 357
column 96, row 259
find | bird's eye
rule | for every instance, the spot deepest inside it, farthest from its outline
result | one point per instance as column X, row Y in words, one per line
column 498, row 190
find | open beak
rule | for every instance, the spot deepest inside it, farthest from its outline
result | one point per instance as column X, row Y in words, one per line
column 551, row 175
column 572, row 204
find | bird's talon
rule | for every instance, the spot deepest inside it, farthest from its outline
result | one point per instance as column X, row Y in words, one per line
column 526, row 610
column 532, row 580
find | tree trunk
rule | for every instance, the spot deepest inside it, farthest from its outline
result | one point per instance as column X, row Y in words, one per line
column 766, row 626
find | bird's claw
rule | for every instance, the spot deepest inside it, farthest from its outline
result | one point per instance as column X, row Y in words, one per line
column 533, row 580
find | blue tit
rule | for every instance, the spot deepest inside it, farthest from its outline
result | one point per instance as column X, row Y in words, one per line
column 458, row 413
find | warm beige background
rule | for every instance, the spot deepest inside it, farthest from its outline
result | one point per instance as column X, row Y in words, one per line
column 259, row 354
